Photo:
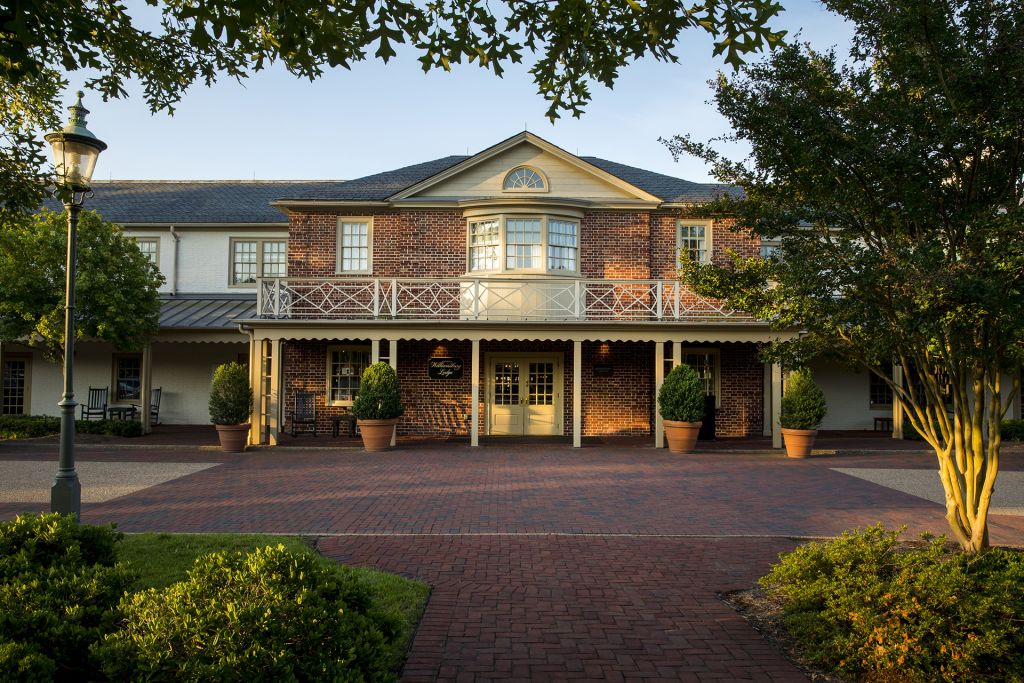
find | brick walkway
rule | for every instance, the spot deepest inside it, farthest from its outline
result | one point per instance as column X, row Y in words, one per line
column 547, row 562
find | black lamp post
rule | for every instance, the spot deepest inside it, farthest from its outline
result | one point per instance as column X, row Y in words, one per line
column 75, row 151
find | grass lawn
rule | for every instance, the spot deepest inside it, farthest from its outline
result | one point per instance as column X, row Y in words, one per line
column 162, row 559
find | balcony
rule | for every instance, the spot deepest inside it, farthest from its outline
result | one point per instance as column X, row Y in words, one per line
column 488, row 299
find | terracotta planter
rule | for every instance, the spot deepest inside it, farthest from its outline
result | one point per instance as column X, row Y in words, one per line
column 233, row 438
column 377, row 433
column 799, row 442
column 682, row 436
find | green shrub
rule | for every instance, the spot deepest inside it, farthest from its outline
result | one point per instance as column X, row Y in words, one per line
column 379, row 396
column 32, row 426
column 230, row 395
column 803, row 404
column 1012, row 430
column 58, row 588
column 267, row 615
column 865, row 608
column 681, row 397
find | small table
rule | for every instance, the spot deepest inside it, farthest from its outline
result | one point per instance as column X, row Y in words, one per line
column 121, row 412
column 336, row 421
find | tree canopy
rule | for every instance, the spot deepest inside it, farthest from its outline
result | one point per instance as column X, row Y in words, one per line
column 894, row 183
column 575, row 42
column 116, row 293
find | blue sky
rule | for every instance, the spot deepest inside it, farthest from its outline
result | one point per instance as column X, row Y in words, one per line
column 377, row 117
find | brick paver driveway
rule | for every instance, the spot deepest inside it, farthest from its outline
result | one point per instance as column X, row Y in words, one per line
column 547, row 563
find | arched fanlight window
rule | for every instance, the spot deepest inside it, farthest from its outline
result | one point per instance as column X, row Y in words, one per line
column 524, row 179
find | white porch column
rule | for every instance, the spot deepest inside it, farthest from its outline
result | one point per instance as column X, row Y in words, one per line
column 577, row 394
column 256, row 380
column 766, row 400
column 659, row 379
column 677, row 354
column 474, row 426
column 375, row 350
column 897, row 404
column 776, row 405
column 393, row 360
column 147, row 387
column 273, row 416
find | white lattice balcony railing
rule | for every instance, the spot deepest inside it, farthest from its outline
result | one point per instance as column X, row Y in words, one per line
column 485, row 299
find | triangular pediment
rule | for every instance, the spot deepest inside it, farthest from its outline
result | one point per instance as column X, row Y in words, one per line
column 566, row 176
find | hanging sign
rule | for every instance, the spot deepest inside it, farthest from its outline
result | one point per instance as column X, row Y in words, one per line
column 444, row 368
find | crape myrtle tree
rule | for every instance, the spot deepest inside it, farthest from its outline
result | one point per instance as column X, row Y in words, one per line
column 893, row 181
column 185, row 42
column 117, row 285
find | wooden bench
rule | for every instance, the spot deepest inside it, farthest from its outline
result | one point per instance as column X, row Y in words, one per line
column 883, row 424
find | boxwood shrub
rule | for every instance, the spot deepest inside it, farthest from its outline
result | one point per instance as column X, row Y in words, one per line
column 1012, row 430
column 32, row 426
column 59, row 585
column 267, row 615
column 865, row 607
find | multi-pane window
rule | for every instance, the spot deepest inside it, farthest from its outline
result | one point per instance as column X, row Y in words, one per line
column 524, row 179
column 251, row 259
column 150, row 249
column 354, row 237
column 522, row 243
column 14, row 396
column 127, row 378
column 484, row 243
column 770, row 250
column 562, row 245
column 345, row 365
column 704, row 364
column 880, row 393
column 692, row 241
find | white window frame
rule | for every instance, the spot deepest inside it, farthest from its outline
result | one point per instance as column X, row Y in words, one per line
column 503, row 219
column 716, row 379
column 708, row 237
column 530, row 190
column 26, row 398
column 156, row 252
column 259, row 258
column 342, row 347
column 769, row 248
column 116, row 396
column 369, row 245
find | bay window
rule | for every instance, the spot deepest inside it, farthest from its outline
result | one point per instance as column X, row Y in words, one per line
column 523, row 244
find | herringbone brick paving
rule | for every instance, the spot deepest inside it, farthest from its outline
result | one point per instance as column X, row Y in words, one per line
column 547, row 563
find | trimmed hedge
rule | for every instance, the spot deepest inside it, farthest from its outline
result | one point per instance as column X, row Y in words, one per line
column 1012, row 430
column 863, row 607
column 379, row 396
column 59, row 585
column 32, row 426
column 681, row 397
column 803, row 404
column 267, row 615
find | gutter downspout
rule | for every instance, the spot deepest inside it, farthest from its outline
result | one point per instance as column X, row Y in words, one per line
column 174, row 263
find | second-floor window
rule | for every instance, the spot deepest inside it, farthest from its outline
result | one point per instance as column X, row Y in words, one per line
column 251, row 259
column 694, row 240
column 150, row 248
column 355, row 246
column 523, row 244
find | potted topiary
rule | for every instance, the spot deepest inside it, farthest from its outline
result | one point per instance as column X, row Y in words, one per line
column 377, row 406
column 231, row 405
column 681, row 401
column 803, row 409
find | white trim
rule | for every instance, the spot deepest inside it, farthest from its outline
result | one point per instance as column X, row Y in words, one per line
column 709, row 231
column 527, row 190
column 558, row 405
column 368, row 220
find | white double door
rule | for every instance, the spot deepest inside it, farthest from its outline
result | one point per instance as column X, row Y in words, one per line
column 524, row 394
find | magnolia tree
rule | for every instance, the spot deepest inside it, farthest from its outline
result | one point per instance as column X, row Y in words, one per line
column 117, row 286
column 174, row 44
column 893, row 181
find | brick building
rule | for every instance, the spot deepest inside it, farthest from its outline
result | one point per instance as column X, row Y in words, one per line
column 545, row 283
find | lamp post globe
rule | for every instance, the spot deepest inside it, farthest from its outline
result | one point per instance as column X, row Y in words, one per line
column 75, row 151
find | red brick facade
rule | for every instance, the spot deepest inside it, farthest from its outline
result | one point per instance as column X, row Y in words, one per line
column 620, row 402
column 432, row 243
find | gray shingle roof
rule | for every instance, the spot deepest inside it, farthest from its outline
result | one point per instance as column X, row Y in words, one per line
column 666, row 187
column 206, row 311
column 379, row 186
column 183, row 202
